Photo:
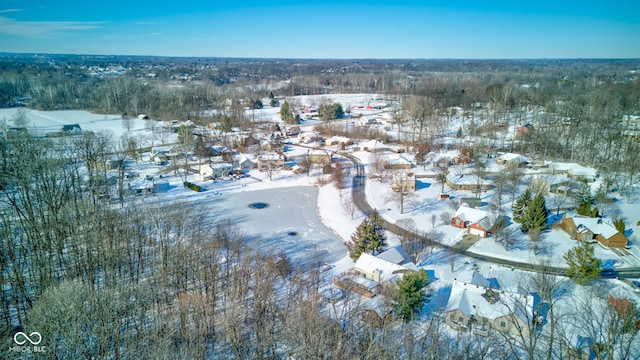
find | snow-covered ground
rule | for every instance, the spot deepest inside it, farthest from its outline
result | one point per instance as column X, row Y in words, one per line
column 320, row 223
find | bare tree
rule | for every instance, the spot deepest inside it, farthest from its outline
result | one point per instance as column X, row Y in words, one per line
column 403, row 188
column 378, row 166
column 441, row 176
column 349, row 206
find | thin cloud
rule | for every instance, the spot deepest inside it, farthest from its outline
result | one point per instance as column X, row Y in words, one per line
column 10, row 11
column 39, row 29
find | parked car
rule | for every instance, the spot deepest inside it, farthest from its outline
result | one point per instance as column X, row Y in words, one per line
column 636, row 284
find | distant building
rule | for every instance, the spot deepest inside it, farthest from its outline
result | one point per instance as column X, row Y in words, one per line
column 214, row 171
column 71, row 128
column 270, row 160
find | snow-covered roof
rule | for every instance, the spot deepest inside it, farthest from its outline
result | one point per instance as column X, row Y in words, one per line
column 374, row 144
column 270, row 156
column 513, row 157
column 398, row 160
column 478, row 279
column 465, row 179
column 394, row 255
column 442, row 155
column 221, row 166
column 339, row 139
column 556, row 179
column 601, row 226
column 469, row 300
column 369, row 263
column 470, row 214
column 575, row 169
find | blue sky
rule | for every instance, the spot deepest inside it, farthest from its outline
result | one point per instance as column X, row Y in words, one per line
column 325, row 29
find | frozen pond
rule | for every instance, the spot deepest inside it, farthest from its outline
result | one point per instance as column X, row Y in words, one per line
column 280, row 219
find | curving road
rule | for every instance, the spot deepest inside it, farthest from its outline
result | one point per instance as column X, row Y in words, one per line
column 360, row 199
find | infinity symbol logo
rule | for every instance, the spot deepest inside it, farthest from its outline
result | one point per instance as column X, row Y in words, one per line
column 27, row 338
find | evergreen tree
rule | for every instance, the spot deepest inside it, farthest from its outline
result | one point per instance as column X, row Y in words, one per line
column 408, row 297
column 584, row 209
column 583, row 266
column 619, row 224
column 369, row 237
column 535, row 215
column 286, row 113
column 520, row 206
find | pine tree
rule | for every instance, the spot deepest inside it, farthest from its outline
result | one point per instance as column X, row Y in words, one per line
column 369, row 237
column 520, row 206
column 286, row 114
column 584, row 209
column 619, row 224
column 408, row 296
column 535, row 215
column 583, row 266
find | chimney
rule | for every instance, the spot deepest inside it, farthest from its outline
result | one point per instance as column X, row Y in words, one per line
column 376, row 275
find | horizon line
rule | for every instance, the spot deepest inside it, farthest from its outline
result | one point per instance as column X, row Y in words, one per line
column 4, row 53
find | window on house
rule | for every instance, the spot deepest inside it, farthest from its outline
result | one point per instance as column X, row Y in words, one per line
column 460, row 319
column 503, row 324
column 453, row 317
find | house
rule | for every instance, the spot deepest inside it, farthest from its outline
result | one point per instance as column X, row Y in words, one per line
column 478, row 308
column 270, row 160
column 557, row 183
column 159, row 158
column 215, row 171
column 374, row 146
column 480, row 228
column 405, row 181
column 588, row 229
column 524, row 130
column 575, row 171
column 511, row 158
column 338, row 140
column 309, row 137
column 370, row 271
column 247, row 164
column 474, row 220
column 466, row 182
column 293, row 131
column 381, row 270
column 441, row 159
column 618, row 299
column 220, row 150
column 398, row 162
column 71, row 128
column 466, row 216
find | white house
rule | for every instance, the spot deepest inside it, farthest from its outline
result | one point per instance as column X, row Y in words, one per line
column 374, row 146
column 381, row 270
column 214, row 171
column 508, row 158
column 575, row 171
